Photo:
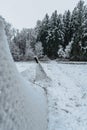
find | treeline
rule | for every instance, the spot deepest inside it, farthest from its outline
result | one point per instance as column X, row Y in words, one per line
column 59, row 36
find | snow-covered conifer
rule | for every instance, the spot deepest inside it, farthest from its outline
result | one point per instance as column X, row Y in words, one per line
column 67, row 28
column 78, row 18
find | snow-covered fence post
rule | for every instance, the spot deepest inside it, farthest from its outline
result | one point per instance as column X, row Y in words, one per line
column 36, row 59
column 42, row 80
column 40, row 73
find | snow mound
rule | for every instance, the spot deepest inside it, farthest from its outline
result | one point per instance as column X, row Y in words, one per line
column 22, row 105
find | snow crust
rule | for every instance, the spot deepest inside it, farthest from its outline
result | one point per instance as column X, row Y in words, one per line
column 67, row 93
column 22, row 105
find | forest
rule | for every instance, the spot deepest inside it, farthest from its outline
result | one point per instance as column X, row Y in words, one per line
column 59, row 36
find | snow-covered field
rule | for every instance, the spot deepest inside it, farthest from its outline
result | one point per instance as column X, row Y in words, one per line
column 66, row 91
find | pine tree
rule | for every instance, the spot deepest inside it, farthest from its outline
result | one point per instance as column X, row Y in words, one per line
column 84, row 40
column 55, row 35
column 67, row 28
column 77, row 25
column 43, row 33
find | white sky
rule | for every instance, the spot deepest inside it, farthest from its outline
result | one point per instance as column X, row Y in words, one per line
column 25, row 13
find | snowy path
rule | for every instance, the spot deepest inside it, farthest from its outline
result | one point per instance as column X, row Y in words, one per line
column 67, row 95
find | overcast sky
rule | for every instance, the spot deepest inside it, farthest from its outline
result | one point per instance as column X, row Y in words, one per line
column 25, row 13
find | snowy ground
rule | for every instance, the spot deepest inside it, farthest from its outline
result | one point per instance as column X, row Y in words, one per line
column 66, row 91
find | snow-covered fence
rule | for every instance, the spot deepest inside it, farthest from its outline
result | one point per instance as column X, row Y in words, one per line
column 22, row 107
column 40, row 73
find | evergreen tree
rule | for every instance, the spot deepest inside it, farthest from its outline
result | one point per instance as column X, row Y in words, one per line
column 55, row 35
column 77, row 24
column 67, row 28
column 38, row 28
column 52, row 36
column 84, row 40
column 43, row 33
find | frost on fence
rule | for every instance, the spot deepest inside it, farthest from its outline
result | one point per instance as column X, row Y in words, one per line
column 22, row 107
column 40, row 73
column 41, row 77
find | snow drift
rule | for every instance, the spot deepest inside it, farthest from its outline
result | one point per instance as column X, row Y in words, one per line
column 22, row 106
